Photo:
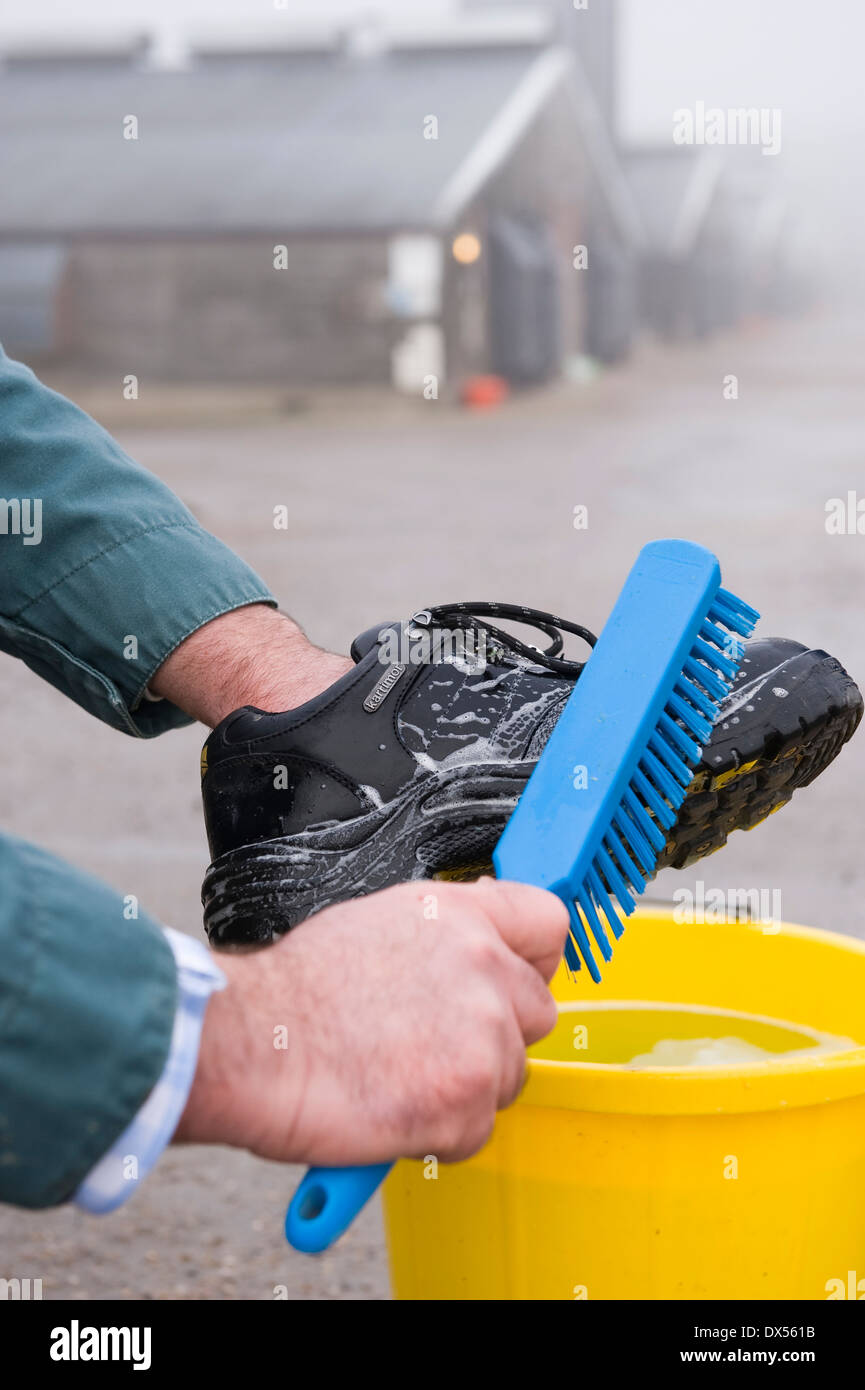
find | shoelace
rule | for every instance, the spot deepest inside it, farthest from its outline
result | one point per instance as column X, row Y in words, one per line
column 466, row 617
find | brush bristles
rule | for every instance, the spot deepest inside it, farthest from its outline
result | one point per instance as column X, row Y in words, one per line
column 629, row 851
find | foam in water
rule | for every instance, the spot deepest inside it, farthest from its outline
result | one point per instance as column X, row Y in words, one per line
column 637, row 1034
column 702, row 1052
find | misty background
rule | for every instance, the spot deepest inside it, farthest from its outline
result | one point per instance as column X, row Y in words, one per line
column 303, row 388
column 794, row 54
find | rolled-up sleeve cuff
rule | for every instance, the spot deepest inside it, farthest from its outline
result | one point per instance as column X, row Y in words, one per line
column 137, row 1150
column 130, row 606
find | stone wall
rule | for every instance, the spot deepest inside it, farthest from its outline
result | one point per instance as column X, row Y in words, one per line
column 218, row 309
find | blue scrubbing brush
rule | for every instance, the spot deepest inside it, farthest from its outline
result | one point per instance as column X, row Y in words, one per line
column 607, row 788
column 617, row 766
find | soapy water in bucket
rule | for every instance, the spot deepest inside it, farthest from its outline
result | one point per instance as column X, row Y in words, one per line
column 637, row 1034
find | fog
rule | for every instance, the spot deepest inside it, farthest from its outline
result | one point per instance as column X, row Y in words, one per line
column 795, row 56
column 803, row 57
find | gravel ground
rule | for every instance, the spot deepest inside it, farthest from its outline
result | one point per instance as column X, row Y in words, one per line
column 396, row 505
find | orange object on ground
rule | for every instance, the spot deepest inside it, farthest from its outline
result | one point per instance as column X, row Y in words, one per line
column 482, row 392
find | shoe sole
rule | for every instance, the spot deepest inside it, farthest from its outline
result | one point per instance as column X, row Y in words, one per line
column 806, row 710
column 445, row 824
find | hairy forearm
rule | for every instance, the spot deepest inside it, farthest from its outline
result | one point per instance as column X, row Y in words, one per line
column 223, row 1108
column 251, row 656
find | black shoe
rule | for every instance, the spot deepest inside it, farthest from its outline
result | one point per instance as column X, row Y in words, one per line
column 409, row 766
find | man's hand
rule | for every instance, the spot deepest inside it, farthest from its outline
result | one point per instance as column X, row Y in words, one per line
column 377, row 1029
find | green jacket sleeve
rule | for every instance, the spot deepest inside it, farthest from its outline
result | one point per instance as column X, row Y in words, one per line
column 103, row 571
column 87, row 1003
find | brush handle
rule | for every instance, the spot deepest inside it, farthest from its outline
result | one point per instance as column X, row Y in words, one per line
column 326, row 1203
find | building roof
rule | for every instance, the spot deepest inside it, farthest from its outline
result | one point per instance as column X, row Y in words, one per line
column 320, row 141
column 80, row 44
column 674, row 188
column 495, row 27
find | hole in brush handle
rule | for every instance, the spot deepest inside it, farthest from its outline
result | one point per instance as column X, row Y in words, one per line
column 326, row 1203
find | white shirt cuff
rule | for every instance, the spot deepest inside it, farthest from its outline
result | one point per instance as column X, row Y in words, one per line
column 137, row 1150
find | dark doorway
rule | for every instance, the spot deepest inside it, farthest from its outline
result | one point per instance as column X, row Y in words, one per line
column 525, row 323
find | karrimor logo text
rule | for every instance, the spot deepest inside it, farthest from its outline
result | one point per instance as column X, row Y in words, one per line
column 737, row 125
column 700, row 905
column 21, row 516
column 77, row 1343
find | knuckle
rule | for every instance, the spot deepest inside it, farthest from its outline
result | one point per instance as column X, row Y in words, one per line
column 492, row 1019
column 469, row 1137
column 515, row 1080
column 549, row 1013
column 545, row 1015
column 474, row 1081
column 482, row 947
column 456, row 898
column 488, row 894
column 465, row 1079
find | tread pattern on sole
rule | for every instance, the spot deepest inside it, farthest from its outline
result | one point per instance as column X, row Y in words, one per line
column 753, row 782
column 739, row 799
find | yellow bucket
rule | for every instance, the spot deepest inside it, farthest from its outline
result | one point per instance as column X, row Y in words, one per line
column 724, row 1182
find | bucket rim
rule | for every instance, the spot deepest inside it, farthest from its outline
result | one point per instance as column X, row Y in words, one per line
column 730, row 1088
